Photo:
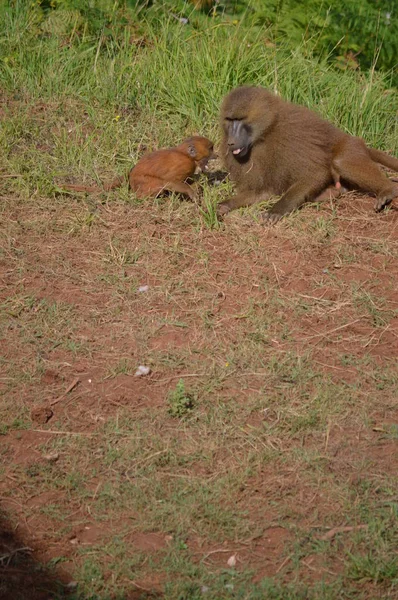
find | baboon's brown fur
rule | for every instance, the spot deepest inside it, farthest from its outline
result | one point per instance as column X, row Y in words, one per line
column 274, row 147
column 163, row 170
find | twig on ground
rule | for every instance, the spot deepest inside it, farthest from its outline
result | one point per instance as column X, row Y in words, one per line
column 68, row 389
column 140, row 587
column 327, row 333
column 181, row 376
column 283, row 563
column 216, row 552
column 332, row 532
column 66, row 432
column 7, row 557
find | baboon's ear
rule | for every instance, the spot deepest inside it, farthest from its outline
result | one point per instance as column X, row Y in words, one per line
column 192, row 150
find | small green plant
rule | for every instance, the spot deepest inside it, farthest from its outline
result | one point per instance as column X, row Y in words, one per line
column 208, row 212
column 179, row 400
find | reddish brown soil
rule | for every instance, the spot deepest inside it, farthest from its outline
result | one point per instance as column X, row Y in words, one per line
column 223, row 277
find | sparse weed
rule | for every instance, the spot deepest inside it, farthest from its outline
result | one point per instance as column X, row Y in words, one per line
column 180, row 401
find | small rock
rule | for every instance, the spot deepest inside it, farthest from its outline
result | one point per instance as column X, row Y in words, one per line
column 53, row 457
column 204, row 589
column 142, row 371
column 143, row 288
column 74, row 541
column 231, row 562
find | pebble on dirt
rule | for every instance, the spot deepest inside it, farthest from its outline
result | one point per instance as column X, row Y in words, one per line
column 142, row 371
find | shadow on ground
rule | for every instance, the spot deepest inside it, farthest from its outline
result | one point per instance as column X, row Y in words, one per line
column 24, row 578
column 21, row 576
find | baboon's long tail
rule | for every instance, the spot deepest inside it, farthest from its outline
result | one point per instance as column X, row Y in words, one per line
column 384, row 159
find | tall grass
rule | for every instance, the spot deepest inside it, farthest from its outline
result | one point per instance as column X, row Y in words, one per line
column 178, row 74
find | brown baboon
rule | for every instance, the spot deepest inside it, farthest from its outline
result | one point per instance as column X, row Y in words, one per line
column 274, row 147
column 163, row 170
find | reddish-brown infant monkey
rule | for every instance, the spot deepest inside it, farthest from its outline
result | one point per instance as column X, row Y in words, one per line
column 163, row 170
column 273, row 147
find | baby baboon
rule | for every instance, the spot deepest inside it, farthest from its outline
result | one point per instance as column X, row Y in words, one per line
column 274, row 147
column 163, row 170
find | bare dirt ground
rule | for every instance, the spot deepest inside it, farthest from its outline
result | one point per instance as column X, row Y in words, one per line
column 286, row 338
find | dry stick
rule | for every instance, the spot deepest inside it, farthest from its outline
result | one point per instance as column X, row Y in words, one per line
column 139, row 462
column 330, row 534
column 181, row 475
column 140, row 587
column 334, row 367
column 11, row 554
column 316, row 570
column 319, row 299
column 276, row 274
column 326, row 333
column 327, row 436
column 69, row 389
column 181, row 376
column 216, row 552
column 6, row 499
column 96, row 490
column 65, row 432
column 284, row 563
column 372, row 337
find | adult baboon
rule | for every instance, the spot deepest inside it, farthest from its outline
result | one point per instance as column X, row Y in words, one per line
column 274, row 147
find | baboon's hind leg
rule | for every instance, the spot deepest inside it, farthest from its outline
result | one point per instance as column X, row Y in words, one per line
column 360, row 170
column 150, row 187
